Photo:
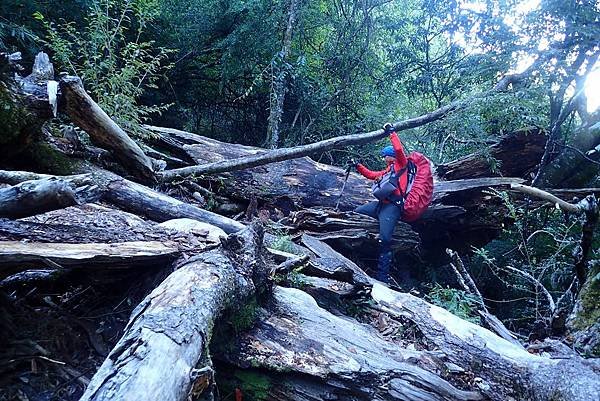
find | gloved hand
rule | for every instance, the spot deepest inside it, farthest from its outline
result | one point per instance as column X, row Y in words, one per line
column 388, row 128
column 351, row 164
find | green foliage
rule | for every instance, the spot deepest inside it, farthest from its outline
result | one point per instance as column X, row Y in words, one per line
column 115, row 64
column 458, row 302
column 283, row 243
column 542, row 243
column 255, row 386
column 245, row 317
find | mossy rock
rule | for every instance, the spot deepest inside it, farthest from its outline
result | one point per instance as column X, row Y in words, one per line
column 584, row 323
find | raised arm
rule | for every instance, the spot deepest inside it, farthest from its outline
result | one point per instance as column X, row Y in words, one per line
column 398, row 149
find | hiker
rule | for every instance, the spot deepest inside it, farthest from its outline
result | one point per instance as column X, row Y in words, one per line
column 403, row 189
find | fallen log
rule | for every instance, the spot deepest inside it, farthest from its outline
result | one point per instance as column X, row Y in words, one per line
column 37, row 98
column 103, row 131
column 163, row 352
column 325, row 356
column 136, row 198
column 33, row 197
column 330, row 357
column 18, row 256
column 506, row 370
column 515, row 155
column 324, row 251
column 303, row 183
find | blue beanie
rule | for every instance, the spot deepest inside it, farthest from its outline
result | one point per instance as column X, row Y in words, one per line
column 388, row 151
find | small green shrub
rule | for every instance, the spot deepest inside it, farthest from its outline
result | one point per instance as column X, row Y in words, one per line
column 458, row 302
column 115, row 64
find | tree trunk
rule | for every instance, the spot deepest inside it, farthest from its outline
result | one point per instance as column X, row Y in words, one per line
column 280, row 78
column 328, row 357
column 163, row 353
column 103, row 131
column 34, row 197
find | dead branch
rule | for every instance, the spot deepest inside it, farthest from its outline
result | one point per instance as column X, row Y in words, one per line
column 584, row 206
column 103, row 131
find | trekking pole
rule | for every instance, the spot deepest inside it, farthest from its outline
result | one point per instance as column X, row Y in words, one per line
column 337, row 204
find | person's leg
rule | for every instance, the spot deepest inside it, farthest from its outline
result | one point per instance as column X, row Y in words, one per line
column 388, row 218
column 370, row 209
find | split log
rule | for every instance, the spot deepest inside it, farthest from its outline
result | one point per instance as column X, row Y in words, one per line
column 103, row 131
column 19, row 256
column 163, row 350
column 330, row 357
column 348, row 229
column 324, row 251
column 327, row 357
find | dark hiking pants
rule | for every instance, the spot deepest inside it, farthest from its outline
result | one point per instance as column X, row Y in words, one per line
column 388, row 215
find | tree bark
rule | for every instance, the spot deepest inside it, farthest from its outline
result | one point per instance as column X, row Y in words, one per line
column 339, row 358
column 103, row 131
column 136, row 198
column 34, row 197
column 18, row 256
column 515, row 155
column 280, row 79
column 163, row 353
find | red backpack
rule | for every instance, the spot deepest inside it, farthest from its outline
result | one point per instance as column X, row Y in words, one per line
column 420, row 190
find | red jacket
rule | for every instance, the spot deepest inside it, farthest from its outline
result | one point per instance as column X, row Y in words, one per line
column 400, row 162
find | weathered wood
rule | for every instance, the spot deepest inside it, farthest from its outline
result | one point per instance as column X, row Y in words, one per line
column 330, row 357
column 159, row 207
column 103, row 131
column 162, row 354
column 137, row 198
column 25, row 255
column 33, row 197
column 303, row 183
column 349, row 229
column 322, row 250
column 505, row 369
column 515, row 155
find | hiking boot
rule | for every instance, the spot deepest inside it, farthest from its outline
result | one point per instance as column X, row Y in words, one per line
column 383, row 266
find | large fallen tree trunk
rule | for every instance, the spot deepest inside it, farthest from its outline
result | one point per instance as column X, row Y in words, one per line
column 301, row 183
column 328, row 357
column 162, row 354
